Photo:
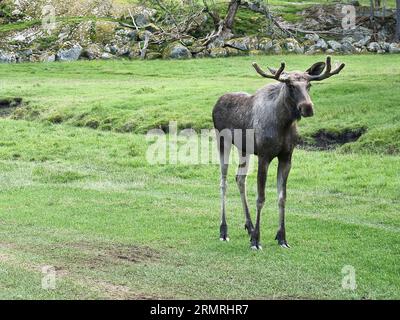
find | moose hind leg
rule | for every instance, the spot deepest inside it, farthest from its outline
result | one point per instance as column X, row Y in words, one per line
column 263, row 165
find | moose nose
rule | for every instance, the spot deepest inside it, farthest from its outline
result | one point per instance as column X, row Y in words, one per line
column 306, row 109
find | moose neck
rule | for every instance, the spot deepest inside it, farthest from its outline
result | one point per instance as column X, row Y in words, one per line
column 285, row 107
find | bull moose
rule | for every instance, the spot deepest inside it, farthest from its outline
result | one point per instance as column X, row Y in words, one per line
column 271, row 114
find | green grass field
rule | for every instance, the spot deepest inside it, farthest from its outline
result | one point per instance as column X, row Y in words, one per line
column 77, row 193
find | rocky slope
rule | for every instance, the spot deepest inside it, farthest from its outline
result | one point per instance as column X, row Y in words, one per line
column 27, row 34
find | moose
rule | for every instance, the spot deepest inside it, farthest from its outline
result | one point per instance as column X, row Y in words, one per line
column 271, row 116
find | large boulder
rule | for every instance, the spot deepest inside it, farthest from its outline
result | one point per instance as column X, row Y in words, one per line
column 347, row 47
column 24, row 55
column 363, row 42
column 276, row 48
column 374, row 47
column 218, row 52
column 70, row 52
column 7, row 57
column 312, row 37
column 385, row 46
column 47, row 57
column 394, row 48
column 334, row 45
column 92, row 52
column 244, row 43
column 265, row 44
column 176, row 50
column 321, row 44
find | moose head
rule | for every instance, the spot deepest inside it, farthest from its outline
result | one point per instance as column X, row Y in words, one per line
column 298, row 83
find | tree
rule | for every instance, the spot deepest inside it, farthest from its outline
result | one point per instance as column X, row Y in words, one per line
column 398, row 20
column 222, row 26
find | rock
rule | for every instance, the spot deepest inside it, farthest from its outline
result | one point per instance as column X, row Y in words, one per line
column 233, row 52
column 71, row 53
column 187, row 42
column 255, row 52
column 133, row 35
column 107, row 56
column 374, row 47
column 347, row 47
column 218, row 52
column 292, row 46
column 7, row 57
column 330, row 51
column 244, row 43
column 313, row 50
column 16, row 12
column 176, row 50
column 334, row 45
column 363, row 42
column 321, row 44
column 394, row 48
column 202, row 54
column 47, row 57
column 153, row 55
column 312, row 37
column 380, row 51
column 359, row 33
column 92, row 52
column 385, row 46
column 141, row 19
column 265, row 44
column 276, row 49
column 24, row 55
column 348, row 39
column 240, row 43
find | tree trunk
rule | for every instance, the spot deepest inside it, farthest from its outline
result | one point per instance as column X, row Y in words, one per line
column 398, row 20
column 223, row 27
column 230, row 16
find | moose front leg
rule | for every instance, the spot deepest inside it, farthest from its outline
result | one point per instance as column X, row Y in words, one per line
column 263, row 164
column 283, row 173
column 244, row 162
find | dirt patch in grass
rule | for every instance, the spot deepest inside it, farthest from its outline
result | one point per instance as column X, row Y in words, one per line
column 116, row 291
column 100, row 255
column 8, row 105
column 325, row 139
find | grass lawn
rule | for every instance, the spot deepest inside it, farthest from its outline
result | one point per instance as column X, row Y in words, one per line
column 87, row 202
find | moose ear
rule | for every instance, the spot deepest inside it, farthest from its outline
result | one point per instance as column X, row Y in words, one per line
column 316, row 69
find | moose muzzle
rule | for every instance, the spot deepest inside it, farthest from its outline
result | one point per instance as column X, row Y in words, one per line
column 306, row 109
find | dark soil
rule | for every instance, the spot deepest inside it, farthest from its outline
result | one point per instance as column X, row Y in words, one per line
column 326, row 140
column 8, row 105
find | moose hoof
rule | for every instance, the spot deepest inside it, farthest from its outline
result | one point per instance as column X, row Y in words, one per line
column 281, row 238
column 284, row 245
column 256, row 247
column 224, row 238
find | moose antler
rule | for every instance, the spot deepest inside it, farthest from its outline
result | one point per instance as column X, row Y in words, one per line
column 327, row 73
column 275, row 75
